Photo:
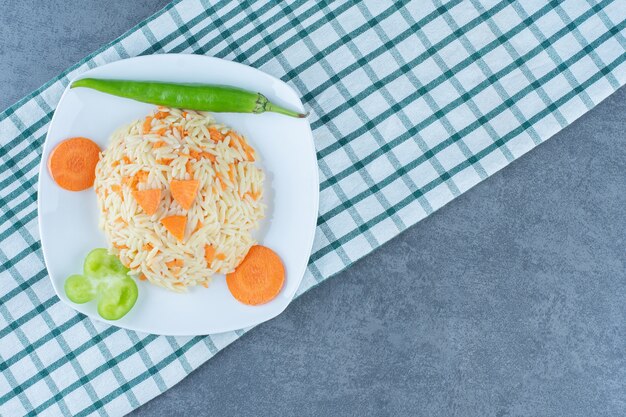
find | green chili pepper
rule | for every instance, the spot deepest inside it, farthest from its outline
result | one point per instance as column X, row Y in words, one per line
column 215, row 98
column 104, row 277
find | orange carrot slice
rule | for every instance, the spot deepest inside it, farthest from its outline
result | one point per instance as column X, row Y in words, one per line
column 184, row 192
column 159, row 144
column 164, row 161
column 72, row 163
column 148, row 200
column 142, row 277
column 209, row 254
column 258, row 278
column 175, row 225
column 161, row 115
column 189, row 168
column 126, row 159
column 220, row 256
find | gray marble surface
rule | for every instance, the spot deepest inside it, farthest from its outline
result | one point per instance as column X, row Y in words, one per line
column 510, row 301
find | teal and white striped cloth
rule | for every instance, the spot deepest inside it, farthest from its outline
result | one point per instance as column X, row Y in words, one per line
column 412, row 103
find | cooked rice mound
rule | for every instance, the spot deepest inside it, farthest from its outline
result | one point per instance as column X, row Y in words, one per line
column 175, row 145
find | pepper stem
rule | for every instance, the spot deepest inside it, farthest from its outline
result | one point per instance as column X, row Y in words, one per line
column 263, row 105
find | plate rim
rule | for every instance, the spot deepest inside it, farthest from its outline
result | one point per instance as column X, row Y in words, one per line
column 43, row 170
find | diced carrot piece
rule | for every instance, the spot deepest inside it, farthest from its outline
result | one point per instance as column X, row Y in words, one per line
column 209, row 254
column 215, row 135
column 159, row 144
column 119, row 247
column 175, row 263
column 175, row 225
column 205, row 284
column 128, row 181
column 142, row 277
column 234, row 139
column 247, row 149
column 120, row 220
column 198, row 226
column 231, row 172
column 141, row 176
column 161, row 131
column 184, row 192
column 194, row 154
column 148, row 200
column 208, row 155
column 126, row 159
column 161, row 115
column 147, row 125
column 184, row 115
column 117, row 189
column 147, row 246
column 220, row 256
column 115, row 163
column 189, row 168
column 253, row 195
column 164, row 161
column 222, row 182
column 181, row 131
column 233, row 142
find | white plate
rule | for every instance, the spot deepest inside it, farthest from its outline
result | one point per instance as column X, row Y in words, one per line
column 68, row 220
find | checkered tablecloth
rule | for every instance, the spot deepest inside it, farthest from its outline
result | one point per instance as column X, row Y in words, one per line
column 412, row 103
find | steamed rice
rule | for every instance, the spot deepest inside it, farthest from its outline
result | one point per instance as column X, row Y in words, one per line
column 226, row 210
